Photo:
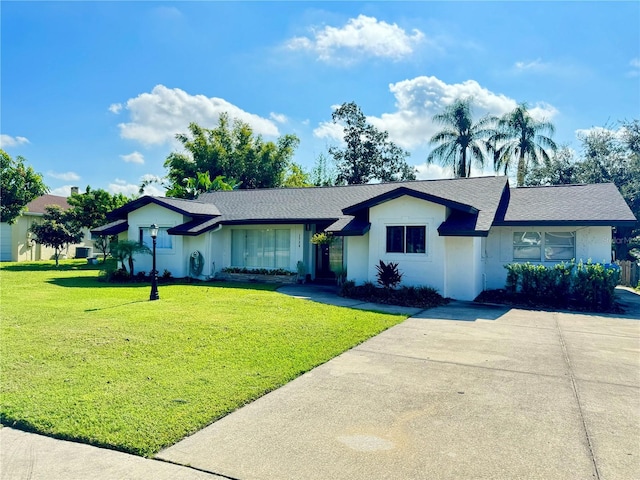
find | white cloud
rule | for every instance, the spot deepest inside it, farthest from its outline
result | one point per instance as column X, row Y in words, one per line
column 329, row 130
column 635, row 67
column 130, row 189
column 432, row 171
column 617, row 133
column 362, row 37
column 9, row 141
column 278, row 117
column 531, row 66
column 418, row 99
column 115, row 108
column 63, row 191
column 135, row 157
column 156, row 117
column 66, row 176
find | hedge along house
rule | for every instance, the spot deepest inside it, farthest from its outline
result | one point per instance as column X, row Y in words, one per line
column 454, row 235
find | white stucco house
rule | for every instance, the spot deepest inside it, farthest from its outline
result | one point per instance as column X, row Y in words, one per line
column 17, row 244
column 454, row 235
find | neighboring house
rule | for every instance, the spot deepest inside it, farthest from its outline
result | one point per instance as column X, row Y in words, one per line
column 455, row 235
column 16, row 242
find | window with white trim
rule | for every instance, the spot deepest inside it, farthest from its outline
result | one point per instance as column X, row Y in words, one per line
column 261, row 248
column 544, row 246
column 406, row 239
column 164, row 241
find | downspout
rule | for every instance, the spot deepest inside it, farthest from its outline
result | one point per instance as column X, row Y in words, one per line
column 212, row 265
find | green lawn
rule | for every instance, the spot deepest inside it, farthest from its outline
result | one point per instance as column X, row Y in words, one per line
column 101, row 364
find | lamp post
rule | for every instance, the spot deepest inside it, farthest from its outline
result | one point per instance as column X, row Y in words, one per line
column 153, row 231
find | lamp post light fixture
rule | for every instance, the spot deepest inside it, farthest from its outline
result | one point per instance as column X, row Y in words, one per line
column 153, row 231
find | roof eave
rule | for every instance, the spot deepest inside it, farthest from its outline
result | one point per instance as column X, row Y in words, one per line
column 561, row 223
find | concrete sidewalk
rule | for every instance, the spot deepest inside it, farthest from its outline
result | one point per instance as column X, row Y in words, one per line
column 458, row 392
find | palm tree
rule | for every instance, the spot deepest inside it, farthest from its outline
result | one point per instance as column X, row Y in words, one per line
column 521, row 136
column 124, row 250
column 461, row 141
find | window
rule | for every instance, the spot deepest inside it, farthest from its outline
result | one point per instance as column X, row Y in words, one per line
column 559, row 245
column 555, row 246
column 268, row 248
column 527, row 246
column 164, row 241
column 409, row 239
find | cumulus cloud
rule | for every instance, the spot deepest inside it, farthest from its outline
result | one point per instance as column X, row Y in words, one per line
column 432, row 171
column 157, row 116
column 115, row 108
column 9, row 141
column 420, row 98
column 135, row 157
column 66, row 176
column 635, row 67
column 361, row 37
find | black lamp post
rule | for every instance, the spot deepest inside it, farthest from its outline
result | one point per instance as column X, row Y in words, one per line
column 153, row 231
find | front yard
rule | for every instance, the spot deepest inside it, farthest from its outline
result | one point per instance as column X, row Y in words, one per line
column 101, row 364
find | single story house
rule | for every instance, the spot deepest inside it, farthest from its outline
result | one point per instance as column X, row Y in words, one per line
column 455, row 235
column 17, row 243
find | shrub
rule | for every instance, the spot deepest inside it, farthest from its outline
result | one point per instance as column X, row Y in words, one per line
column 420, row 297
column 141, row 276
column 388, row 274
column 258, row 271
column 166, row 275
column 585, row 286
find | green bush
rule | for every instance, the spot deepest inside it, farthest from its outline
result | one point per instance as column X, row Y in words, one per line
column 585, row 286
column 420, row 297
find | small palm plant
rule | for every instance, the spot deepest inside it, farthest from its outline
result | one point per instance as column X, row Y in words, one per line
column 388, row 274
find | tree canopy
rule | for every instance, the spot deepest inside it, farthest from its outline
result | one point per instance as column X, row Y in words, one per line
column 19, row 184
column 519, row 137
column 461, row 141
column 229, row 155
column 90, row 208
column 368, row 155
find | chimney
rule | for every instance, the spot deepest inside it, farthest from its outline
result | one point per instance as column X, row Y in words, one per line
column 74, row 190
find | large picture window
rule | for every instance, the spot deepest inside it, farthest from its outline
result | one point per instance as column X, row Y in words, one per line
column 544, row 246
column 407, row 239
column 268, row 248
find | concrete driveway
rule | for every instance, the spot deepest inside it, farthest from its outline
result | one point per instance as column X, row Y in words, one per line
column 457, row 392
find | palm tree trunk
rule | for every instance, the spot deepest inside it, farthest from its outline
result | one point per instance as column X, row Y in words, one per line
column 521, row 170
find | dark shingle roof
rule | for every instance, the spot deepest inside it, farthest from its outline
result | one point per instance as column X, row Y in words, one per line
column 185, row 207
column 112, row 228
column 302, row 205
column 592, row 204
column 476, row 204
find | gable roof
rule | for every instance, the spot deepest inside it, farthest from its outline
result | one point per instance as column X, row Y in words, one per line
column 585, row 204
column 480, row 195
column 476, row 205
column 185, row 207
column 37, row 206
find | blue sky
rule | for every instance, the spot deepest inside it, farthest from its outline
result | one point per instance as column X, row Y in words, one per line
column 94, row 92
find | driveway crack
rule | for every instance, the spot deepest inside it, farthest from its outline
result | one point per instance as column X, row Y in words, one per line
column 576, row 394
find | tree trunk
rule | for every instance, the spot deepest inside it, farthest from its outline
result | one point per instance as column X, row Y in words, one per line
column 521, row 170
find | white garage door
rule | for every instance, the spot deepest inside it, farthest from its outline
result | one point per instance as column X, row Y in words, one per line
column 5, row 242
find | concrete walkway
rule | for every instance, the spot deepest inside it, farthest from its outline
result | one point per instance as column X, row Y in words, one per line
column 457, row 392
